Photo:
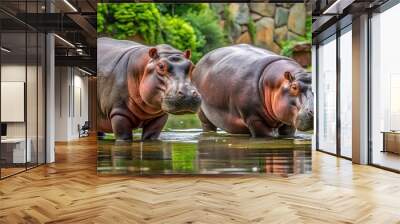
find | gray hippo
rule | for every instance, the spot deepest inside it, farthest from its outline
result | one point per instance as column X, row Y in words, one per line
column 139, row 85
column 246, row 89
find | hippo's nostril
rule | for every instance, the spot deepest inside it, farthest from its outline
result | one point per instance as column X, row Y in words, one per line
column 310, row 112
column 194, row 93
column 180, row 93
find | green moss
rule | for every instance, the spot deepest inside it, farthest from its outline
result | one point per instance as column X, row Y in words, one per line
column 252, row 30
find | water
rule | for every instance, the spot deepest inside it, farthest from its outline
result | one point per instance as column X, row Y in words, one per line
column 189, row 151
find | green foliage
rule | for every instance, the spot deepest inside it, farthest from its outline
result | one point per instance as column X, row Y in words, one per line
column 229, row 23
column 252, row 30
column 181, row 10
column 178, row 33
column 184, row 26
column 309, row 29
column 287, row 45
column 208, row 32
column 125, row 20
column 101, row 14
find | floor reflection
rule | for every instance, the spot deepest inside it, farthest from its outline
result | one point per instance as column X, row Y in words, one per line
column 193, row 152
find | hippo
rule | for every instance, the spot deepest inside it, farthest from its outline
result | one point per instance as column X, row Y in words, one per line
column 249, row 90
column 139, row 85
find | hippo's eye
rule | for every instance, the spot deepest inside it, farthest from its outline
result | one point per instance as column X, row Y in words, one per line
column 294, row 89
column 174, row 58
column 162, row 69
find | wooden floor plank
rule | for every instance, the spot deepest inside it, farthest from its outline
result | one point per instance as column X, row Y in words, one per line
column 70, row 191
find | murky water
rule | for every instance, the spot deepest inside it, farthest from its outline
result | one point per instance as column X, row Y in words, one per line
column 190, row 151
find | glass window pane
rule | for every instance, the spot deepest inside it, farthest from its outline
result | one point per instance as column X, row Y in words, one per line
column 14, row 153
column 31, row 97
column 22, row 87
column 346, row 94
column 327, row 96
column 385, row 84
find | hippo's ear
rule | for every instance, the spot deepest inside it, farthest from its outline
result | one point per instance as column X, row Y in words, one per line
column 289, row 76
column 187, row 54
column 153, row 53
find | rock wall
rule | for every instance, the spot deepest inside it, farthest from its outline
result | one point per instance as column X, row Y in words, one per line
column 263, row 24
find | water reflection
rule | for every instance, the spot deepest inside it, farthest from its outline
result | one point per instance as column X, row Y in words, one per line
column 193, row 152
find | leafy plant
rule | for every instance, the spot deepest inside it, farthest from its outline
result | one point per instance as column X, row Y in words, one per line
column 178, row 33
column 208, row 32
column 288, row 45
column 252, row 29
column 101, row 17
column 180, row 10
column 125, row 20
column 228, row 24
column 184, row 26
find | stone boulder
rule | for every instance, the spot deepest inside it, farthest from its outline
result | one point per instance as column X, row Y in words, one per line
column 236, row 30
column 244, row 28
column 292, row 36
column 302, row 54
column 218, row 7
column 281, row 16
column 245, row 38
column 264, row 9
column 297, row 19
column 280, row 34
column 265, row 34
column 256, row 16
column 240, row 13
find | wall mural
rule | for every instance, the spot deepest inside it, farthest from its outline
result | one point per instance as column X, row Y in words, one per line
column 204, row 88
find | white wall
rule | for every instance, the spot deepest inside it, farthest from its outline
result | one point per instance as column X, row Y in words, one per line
column 33, row 126
column 71, row 94
column 16, row 73
column 12, row 73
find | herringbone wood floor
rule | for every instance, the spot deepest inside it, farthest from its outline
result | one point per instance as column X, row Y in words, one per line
column 69, row 191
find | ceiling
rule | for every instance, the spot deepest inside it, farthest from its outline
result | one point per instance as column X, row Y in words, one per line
column 74, row 21
column 330, row 13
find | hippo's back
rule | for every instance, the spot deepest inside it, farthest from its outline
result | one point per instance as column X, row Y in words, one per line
column 113, row 60
column 112, row 53
column 242, row 56
column 228, row 81
column 225, row 71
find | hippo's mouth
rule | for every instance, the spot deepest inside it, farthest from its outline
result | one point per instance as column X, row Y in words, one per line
column 304, row 123
column 181, row 106
column 182, row 112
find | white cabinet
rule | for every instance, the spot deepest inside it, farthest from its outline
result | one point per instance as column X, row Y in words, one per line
column 17, row 148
